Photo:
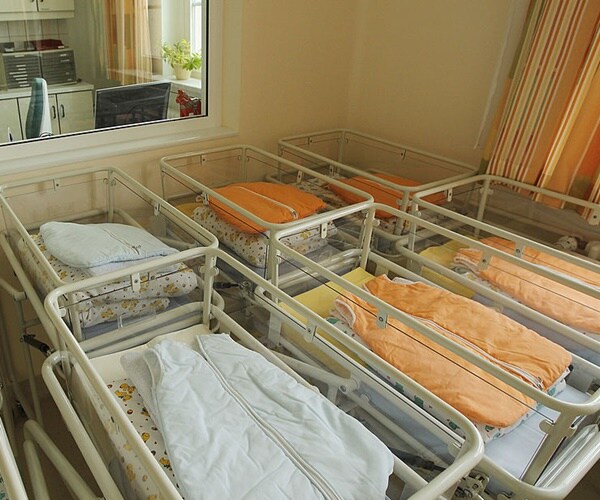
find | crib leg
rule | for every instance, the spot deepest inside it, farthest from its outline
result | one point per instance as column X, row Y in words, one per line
column 274, row 330
column 37, row 409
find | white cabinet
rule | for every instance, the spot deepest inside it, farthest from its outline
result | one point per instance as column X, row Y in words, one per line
column 13, row 10
column 18, row 6
column 75, row 111
column 53, row 5
column 9, row 111
column 69, row 111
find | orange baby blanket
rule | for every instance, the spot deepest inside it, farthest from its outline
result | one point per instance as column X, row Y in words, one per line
column 275, row 203
column 381, row 194
column 469, row 389
column 558, row 301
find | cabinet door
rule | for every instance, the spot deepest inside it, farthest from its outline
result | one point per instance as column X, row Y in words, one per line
column 9, row 111
column 18, row 6
column 45, row 5
column 75, row 111
column 24, row 107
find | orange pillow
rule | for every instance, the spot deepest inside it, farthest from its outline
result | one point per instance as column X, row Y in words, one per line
column 274, row 203
column 380, row 193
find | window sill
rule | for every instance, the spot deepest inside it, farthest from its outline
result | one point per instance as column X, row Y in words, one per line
column 26, row 156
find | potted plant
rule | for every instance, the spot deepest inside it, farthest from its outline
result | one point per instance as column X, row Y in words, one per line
column 181, row 58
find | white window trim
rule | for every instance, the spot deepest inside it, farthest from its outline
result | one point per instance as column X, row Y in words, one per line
column 61, row 150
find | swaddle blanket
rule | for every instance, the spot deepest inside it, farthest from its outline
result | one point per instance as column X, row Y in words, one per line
column 470, row 390
column 236, row 426
column 558, row 301
column 381, row 194
column 275, row 203
column 88, row 245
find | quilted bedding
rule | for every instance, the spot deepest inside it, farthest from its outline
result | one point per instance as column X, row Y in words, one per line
column 109, row 302
column 253, row 247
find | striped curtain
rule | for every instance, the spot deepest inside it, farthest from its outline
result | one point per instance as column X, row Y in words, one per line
column 547, row 132
column 129, row 57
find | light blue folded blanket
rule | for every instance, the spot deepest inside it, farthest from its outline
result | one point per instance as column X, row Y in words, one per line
column 89, row 245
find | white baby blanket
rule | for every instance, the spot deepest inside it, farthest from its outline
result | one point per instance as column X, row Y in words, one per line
column 237, row 426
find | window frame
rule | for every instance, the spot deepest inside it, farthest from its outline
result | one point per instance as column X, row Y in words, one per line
column 70, row 148
column 203, row 4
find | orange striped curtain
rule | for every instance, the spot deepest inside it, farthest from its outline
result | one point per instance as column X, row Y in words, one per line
column 129, row 57
column 547, row 133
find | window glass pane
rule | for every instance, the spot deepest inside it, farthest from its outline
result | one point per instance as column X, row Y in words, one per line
column 104, row 66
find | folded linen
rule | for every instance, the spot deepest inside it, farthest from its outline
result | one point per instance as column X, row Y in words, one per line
column 260, row 432
column 88, row 245
column 487, row 432
column 469, row 389
column 558, row 301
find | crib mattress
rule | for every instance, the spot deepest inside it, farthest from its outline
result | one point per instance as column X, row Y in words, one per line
column 387, row 225
column 319, row 188
column 109, row 302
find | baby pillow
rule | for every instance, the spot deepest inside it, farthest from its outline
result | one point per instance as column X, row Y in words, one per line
column 88, row 245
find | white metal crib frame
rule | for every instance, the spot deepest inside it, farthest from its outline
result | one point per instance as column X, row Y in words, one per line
column 112, row 177
column 484, row 183
column 34, row 438
column 298, row 146
column 477, row 227
column 468, row 456
column 538, row 482
column 8, row 467
column 275, row 231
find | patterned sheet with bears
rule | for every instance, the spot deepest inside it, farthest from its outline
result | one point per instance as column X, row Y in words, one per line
column 132, row 404
column 253, row 247
column 109, row 302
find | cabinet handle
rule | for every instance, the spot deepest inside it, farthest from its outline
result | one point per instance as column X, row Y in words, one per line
column 53, row 112
column 62, row 111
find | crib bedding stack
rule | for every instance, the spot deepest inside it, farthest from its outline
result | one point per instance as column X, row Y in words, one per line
column 79, row 251
column 391, row 173
column 248, row 197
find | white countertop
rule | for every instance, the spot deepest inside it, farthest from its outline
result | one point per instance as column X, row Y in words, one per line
column 52, row 89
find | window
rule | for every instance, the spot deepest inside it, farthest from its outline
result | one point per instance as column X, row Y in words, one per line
column 87, row 143
column 196, row 28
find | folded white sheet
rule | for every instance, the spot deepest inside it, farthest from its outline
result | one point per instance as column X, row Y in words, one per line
column 236, row 426
column 88, row 245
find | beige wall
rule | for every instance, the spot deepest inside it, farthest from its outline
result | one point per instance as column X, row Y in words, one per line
column 415, row 72
column 424, row 70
